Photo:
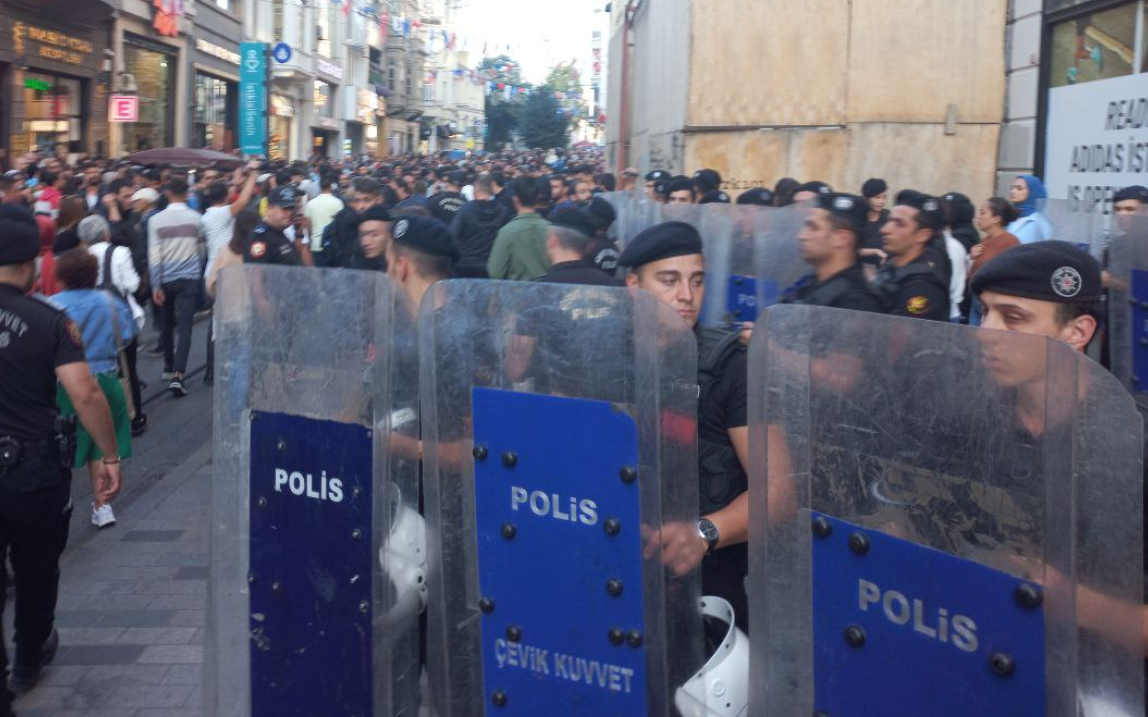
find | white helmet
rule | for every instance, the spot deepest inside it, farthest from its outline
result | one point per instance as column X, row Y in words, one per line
column 721, row 687
column 403, row 558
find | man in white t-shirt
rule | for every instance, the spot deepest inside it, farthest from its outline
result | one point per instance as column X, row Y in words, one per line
column 321, row 210
column 219, row 219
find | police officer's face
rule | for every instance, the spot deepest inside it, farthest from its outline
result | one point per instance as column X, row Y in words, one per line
column 682, row 196
column 1125, row 209
column 816, row 236
column 679, row 281
column 374, row 237
column 279, row 217
column 1012, row 363
column 650, row 191
column 902, row 234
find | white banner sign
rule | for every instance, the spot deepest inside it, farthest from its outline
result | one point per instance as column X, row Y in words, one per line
column 1097, row 141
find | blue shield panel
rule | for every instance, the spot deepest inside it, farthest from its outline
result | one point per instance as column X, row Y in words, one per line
column 311, row 567
column 902, row 630
column 1139, row 301
column 741, row 298
column 559, row 556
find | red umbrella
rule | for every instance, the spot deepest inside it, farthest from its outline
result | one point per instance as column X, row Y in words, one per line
column 182, row 156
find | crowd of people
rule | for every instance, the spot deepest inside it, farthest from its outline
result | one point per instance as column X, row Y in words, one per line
column 124, row 245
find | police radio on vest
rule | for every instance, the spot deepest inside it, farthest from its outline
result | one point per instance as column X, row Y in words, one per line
column 551, row 505
column 305, row 484
column 960, row 630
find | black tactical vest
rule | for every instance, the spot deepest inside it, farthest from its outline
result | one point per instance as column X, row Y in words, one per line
column 719, row 471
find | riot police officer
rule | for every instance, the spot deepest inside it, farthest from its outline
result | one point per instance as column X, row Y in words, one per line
column 38, row 346
column 666, row 260
column 268, row 244
column 914, row 281
column 830, row 239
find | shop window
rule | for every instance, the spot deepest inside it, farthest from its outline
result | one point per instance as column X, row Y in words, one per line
column 214, row 110
column 324, row 26
column 52, row 117
column 277, row 20
column 1094, row 46
column 154, row 73
column 324, row 105
column 428, row 92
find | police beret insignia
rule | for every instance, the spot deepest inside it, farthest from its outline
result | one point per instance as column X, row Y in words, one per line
column 843, row 203
column 1066, row 282
column 918, row 305
column 400, row 228
column 258, row 249
column 74, row 333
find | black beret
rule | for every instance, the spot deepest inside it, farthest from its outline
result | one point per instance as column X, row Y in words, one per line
column 1134, row 192
column 19, row 235
column 661, row 241
column 759, row 197
column 426, row 234
column 959, row 208
column 714, row 196
column 707, row 179
column 849, row 207
column 576, row 219
column 375, row 213
column 657, row 175
column 874, row 186
column 930, row 207
column 601, row 212
column 1054, row 271
column 814, row 186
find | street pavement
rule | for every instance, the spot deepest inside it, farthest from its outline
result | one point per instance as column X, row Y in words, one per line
column 132, row 604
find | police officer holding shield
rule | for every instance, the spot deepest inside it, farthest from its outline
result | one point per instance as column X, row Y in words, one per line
column 830, row 240
column 914, row 280
column 666, row 260
column 39, row 346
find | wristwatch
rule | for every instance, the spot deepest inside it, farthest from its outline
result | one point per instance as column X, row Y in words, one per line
column 709, row 533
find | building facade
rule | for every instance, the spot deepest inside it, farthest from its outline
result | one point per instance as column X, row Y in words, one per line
column 1077, row 109
column 55, row 76
column 214, row 69
column 816, row 90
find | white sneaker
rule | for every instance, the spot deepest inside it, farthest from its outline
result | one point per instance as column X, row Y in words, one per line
column 102, row 516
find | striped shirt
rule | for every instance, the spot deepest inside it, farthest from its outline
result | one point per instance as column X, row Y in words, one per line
column 175, row 244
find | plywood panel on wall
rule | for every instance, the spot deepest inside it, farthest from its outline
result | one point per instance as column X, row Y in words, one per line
column 767, row 62
column 909, row 61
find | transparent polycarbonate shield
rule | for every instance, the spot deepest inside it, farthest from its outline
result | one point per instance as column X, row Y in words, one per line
column 777, row 257
column 634, row 212
column 1076, row 222
column 318, row 562
column 1128, row 304
column 559, row 451
column 943, row 521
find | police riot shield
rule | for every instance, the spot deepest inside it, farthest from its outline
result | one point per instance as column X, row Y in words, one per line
column 1077, row 222
column 634, row 212
column 944, row 521
column 317, row 553
column 559, row 455
column 1127, row 284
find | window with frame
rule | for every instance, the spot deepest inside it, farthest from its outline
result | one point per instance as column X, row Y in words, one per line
column 1095, row 46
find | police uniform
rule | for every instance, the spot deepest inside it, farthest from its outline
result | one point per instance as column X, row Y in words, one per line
column 848, row 288
column 268, row 245
column 35, row 505
column 722, row 406
column 920, row 288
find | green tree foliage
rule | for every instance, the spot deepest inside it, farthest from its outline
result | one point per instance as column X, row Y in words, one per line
column 541, row 122
column 501, row 113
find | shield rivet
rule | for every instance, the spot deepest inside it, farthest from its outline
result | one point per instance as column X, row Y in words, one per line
column 854, row 636
column 514, row 633
column 250, row 578
column 510, row 459
column 364, row 606
column 498, row 699
column 1002, row 664
column 616, row 636
column 634, row 638
column 281, row 445
column 1029, row 596
column 612, row 526
column 276, row 587
column 486, row 605
column 356, row 533
column 614, row 587
column 480, row 453
column 628, row 474
column 356, row 492
column 821, row 527
column 509, row 531
column 859, row 543
column 261, row 502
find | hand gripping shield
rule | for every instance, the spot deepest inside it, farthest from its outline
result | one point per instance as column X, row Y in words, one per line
column 560, row 451
column 317, row 553
column 944, row 521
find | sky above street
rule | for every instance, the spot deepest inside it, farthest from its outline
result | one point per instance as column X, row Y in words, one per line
column 540, row 33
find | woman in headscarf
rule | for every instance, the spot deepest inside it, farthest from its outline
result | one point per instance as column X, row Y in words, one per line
column 1028, row 195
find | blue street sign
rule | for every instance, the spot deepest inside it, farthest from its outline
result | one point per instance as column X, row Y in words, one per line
column 1139, row 330
column 311, row 567
column 252, row 97
column 282, row 53
column 559, row 555
column 903, row 630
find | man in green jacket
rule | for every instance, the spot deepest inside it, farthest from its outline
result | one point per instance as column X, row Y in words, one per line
column 519, row 251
